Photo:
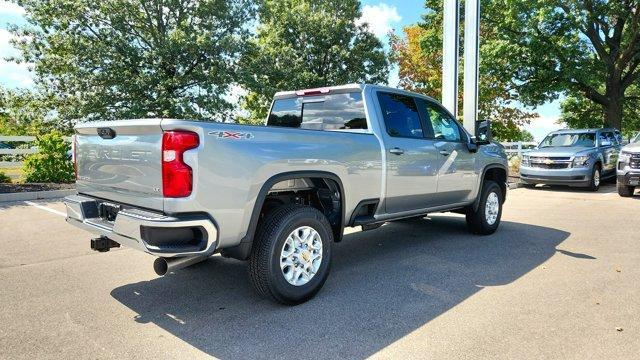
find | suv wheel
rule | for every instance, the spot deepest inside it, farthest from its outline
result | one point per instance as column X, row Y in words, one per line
column 596, row 178
column 625, row 190
column 291, row 254
column 486, row 219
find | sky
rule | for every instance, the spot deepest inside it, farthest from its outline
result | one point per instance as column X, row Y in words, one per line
column 382, row 16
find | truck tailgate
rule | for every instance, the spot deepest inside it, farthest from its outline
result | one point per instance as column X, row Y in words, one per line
column 121, row 161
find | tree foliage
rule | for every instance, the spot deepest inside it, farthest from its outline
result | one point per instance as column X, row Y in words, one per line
column 126, row 59
column 24, row 112
column 580, row 112
column 584, row 49
column 4, row 178
column 419, row 58
column 305, row 44
column 51, row 163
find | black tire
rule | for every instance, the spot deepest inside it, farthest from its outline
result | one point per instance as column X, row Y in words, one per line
column 625, row 190
column 593, row 186
column 477, row 220
column 264, row 262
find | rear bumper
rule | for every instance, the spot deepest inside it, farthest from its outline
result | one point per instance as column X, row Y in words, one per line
column 571, row 176
column 153, row 233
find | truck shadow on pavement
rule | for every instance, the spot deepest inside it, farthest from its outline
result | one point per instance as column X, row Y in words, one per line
column 383, row 285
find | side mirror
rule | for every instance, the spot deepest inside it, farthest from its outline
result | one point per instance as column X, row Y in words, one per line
column 483, row 132
column 472, row 146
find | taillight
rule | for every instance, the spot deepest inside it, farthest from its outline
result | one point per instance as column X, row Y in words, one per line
column 177, row 177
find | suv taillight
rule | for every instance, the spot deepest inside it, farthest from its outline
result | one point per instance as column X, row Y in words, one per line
column 177, row 177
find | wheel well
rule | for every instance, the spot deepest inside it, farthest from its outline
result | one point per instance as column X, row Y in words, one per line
column 321, row 193
column 317, row 189
column 498, row 175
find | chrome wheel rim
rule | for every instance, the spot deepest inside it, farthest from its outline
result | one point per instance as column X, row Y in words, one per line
column 596, row 177
column 492, row 208
column 301, row 255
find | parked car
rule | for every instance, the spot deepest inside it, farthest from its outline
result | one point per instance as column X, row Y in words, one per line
column 579, row 158
column 279, row 195
column 628, row 168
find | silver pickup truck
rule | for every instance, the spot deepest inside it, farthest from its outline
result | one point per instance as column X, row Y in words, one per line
column 628, row 169
column 279, row 195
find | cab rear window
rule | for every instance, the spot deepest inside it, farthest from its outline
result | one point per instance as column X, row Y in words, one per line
column 324, row 112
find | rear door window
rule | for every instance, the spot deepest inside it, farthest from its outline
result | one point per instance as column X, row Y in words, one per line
column 334, row 112
column 401, row 116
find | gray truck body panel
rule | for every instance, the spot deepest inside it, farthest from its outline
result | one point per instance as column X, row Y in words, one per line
column 230, row 173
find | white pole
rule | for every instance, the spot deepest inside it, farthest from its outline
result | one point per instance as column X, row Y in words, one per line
column 471, row 63
column 450, row 41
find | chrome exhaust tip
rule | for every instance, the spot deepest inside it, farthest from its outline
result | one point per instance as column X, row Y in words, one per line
column 163, row 266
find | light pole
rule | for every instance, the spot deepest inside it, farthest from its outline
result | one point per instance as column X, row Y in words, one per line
column 450, row 61
column 450, row 49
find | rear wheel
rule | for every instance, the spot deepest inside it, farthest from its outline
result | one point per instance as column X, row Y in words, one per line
column 291, row 255
column 625, row 190
column 486, row 219
column 596, row 178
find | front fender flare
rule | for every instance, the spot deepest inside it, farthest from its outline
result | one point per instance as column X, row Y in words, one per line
column 476, row 202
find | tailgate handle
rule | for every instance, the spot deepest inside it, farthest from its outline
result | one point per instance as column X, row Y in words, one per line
column 106, row 133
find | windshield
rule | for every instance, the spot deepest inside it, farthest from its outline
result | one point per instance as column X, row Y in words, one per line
column 569, row 140
column 636, row 140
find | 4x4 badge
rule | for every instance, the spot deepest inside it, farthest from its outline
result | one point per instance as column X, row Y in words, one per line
column 233, row 135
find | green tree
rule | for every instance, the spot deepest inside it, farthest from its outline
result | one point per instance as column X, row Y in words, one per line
column 305, row 44
column 580, row 112
column 51, row 163
column 24, row 112
column 418, row 55
column 583, row 49
column 126, row 58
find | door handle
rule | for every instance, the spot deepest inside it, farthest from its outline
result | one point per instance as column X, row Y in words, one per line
column 396, row 151
column 444, row 153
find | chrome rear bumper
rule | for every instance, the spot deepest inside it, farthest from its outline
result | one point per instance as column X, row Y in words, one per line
column 131, row 226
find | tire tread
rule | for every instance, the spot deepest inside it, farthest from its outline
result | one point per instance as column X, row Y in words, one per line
column 267, row 234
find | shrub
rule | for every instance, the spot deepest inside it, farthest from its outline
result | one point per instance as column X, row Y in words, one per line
column 4, row 178
column 51, row 163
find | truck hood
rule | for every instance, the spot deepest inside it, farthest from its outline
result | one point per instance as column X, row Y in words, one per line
column 559, row 151
column 634, row 148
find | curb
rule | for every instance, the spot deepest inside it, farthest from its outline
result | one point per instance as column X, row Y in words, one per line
column 513, row 186
column 36, row 195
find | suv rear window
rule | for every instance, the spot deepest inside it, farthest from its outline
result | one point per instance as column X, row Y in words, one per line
column 325, row 112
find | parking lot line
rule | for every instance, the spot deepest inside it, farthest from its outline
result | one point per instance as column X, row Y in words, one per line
column 45, row 208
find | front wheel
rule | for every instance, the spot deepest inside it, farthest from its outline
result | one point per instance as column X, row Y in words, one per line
column 596, row 178
column 625, row 190
column 486, row 219
column 291, row 254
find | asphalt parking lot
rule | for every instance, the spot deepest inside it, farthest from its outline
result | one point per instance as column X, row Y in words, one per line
column 559, row 280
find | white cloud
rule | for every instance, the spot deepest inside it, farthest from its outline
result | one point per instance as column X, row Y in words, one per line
column 12, row 75
column 379, row 18
column 11, row 9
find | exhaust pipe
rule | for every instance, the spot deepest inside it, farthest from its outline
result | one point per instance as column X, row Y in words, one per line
column 163, row 265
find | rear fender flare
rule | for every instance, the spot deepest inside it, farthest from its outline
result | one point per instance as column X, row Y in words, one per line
column 264, row 191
